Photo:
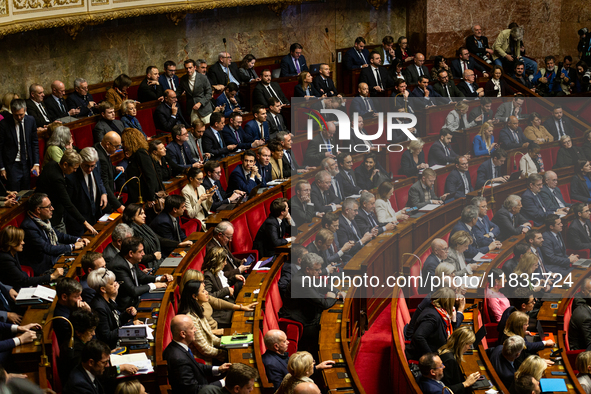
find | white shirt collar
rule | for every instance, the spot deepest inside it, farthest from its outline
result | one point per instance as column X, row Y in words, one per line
column 90, row 375
column 184, row 346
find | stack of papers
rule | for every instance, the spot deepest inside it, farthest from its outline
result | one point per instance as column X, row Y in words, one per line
column 436, row 166
column 429, row 207
column 35, row 295
column 483, row 257
column 140, row 360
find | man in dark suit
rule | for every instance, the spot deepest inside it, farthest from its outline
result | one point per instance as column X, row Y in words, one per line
column 120, row 233
column 468, row 87
column 229, row 99
column 477, row 44
column 441, row 152
column 19, row 148
column 503, row 357
column 294, row 63
column 427, row 96
column 422, row 192
column 509, row 219
column 322, row 194
column 324, row 83
column 320, row 147
column 375, row 76
column 446, row 88
column 91, row 261
column 167, row 223
column 199, row 93
column 357, row 57
column 169, row 80
column 579, row 333
column 178, row 152
column 579, row 231
column 485, row 231
column 150, row 88
column 246, row 176
column 554, row 248
column 551, row 194
column 81, row 100
column 349, row 230
column 346, row 175
column 222, row 235
column 275, row 229
column 275, row 357
column 36, row 107
column 69, row 299
column 233, row 134
column 302, row 210
column 264, row 166
column 107, row 122
column 366, row 218
column 223, row 71
column 168, row 114
column 266, row 89
column 135, row 281
column 323, row 247
column 438, row 255
column 519, row 76
column 185, row 374
column 213, row 173
column 485, row 109
column 85, row 186
column 56, row 106
column 465, row 62
column 491, row 170
column 363, row 104
column 258, row 128
column 108, row 146
column 289, row 267
column 275, row 119
column 458, row 183
column 85, row 377
column 212, row 140
column 330, row 165
column 533, row 207
column 432, row 370
column 558, row 125
column 467, row 223
column 415, row 70
column 288, row 157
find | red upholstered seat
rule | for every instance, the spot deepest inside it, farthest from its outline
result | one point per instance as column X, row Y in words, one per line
column 484, row 340
column 55, row 353
column 415, row 270
column 28, row 270
column 190, row 225
column 226, row 176
column 441, row 183
column 255, row 217
column 267, row 203
column 426, row 148
column 491, row 326
column 144, row 116
column 401, row 195
column 83, row 136
column 99, row 96
column 583, row 253
column 571, row 354
column 436, row 120
column 132, row 92
column 473, row 170
column 198, row 260
column 104, row 244
column 547, row 157
column 296, row 150
column 403, row 308
column 170, row 313
column 565, row 190
column 293, row 330
column 176, row 298
column 242, row 240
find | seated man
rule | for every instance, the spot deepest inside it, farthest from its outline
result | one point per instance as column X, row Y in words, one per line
column 441, row 152
column 120, row 232
column 485, row 231
column 266, row 89
column 324, row 83
column 533, row 207
column 90, row 261
column 107, row 122
column 366, row 218
column 458, row 183
column 213, row 173
column 558, row 125
column 167, row 223
column 503, row 357
column 301, row 208
column 85, row 377
column 466, row 223
column 550, row 194
column 375, row 76
column 477, row 44
column 44, row 245
column 527, row 384
column 212, row 140
column 446, row 88
column 239, row 379
column 416, row 70
column 509, row 219
column 423, row 95
column 554, row 249
column 535, row 240
column 150, row 88
column 579, row 334
column 224, row 71
column 258, row 128
column 222, row 234
column 289, row 267
column 511, row 108
column 275, row 119
column 438, row 254
column 522, row 300
column 356, row 57
column 108, row 146
column 229, row 99
column 56, row 104
column 322, row 194
column 432, row 371
column 579, row 231
column 349, row 229
column 422, row 192
column 465, row 62
column 483, row 112
column 234, row 134
column 35, row 107
column 321, row 146
column 346, row 175
column 69, row 298
column 245, row 177
column 512, row 137
column 135, row 281
column 264, row 166
column 519, row 75
column 168, row 113
column 323, row 247
column 331, row 166
column 363, row 104
column 178, row 152
column 275, row 230
column 294, row 63
column 187, row 376
column 547, row 80
column 80, row 99
column 276, row 357
column 470, row 88
column 492, row 170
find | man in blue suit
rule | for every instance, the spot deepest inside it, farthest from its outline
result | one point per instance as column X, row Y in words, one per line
column 178, row 152
column 491, row 170
column 458, row 182
column 512, row 136
column 252, row 129
column 465, row 62
column 350, row 231
column 212, row 140
column 441, row 152
column 169, row 80
column 551, row 194
column 167, row 224
column 230, row 99
column 533, row 206
column 245, row 177
column 426, row 92
column 81, row 99
column 467, row 223
column 213, row 173
column 432, row 370
column 233, row 134
column 19, row 147
column 276, row 357
column 264, row 165
column 438, row 254
column 357, row 57
column 485, row 231
column 503, row 358
column 294, row 63
column 554, row 248
column 85, row 186
column 366, row 217
column 363, row 104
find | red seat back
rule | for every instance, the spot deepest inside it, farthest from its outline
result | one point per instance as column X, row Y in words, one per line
column 170, row 313
column 441, row 183
column 242, row 240
column 401, row 195
column 144, row 116
column 267, row 203
column 565, row 190
column 55, row 353
column 426, row 148
column 198, row 260
column 415, row 270
column 83, row 137
column 132, row 92
column 255, row 217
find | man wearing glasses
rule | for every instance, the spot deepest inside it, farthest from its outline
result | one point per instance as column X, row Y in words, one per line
column 224, row 71
column 81, row 99
column 85, row 186
column 109, row 145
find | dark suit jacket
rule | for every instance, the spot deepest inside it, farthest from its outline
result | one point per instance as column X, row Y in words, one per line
column 549, row 199
column 368, row 76
column 455, row 93
column 214, row 286
column 506, row 227
column 142, row 165
column 358, row 105
column 408, row 166
column 78, row 191
column 301, row 213
column 147, row 93
column 223, row 99
column 108, row 329
column 288, row 68
column 163, row 119
column 472, row 45
column 418, row 97
column 109, row 254
column 320, row 205
column 428, row 271
column 577, row 237
column 579, row 333
column 230, row 138
column 14, row 276
column 579, row 190
column 458, row 71
column 567, row 126
column 166, row 84
column 9, row 145
column 186, row 376
column 274, row 127
column 217, row 201
column 429, row 334
column 438, row 155
column 364, row 222
column 201, row 93
column 33, row 110
column 345, row 234
column 554, row 254
column 211, row 145
column 293, row 163
column 298, row 91
column 260, row 94
column 238, row 181
column 313, row 156
column 217, row 76
column 253, row 132
column 430, row 386
column 489, row 89
column 174, row 154
column 266, row 173
column 533, row 208
column 484, row 227
column 76, row 100
column 325, row 86
column 416, row 196
column 347, row 186
column 485, row 172
column 162, row 225
column 129, row 293
column 275, row 367
column 504, row 369
column 454, row 184
column 53, row 109
column 352, row 61
column 271, row 235
column 79, row 383
column 476, row 112
column 102, row 127
column 568, row 157
column 107, row 176
column 465, row 89
column 411, row 75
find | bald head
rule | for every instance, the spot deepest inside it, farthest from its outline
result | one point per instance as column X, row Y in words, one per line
column 58, row 89
column 363, row 89
column 111, row 142
column 420, row 57
column 179, row 326
column 276, row 341
column 439, row 248
column 306, row 388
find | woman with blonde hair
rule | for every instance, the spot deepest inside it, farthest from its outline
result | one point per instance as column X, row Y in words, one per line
column 528, row 264
column 6, row 100
column 451, row 355
column 413, row 159
column 534, row 366
column 141, row 166
column 458, row 244
column 216, row 282
column 130, row 387
column 583, row 365
column 300, row 367
column 457, row 119
column 484, row 143
column 517, row 324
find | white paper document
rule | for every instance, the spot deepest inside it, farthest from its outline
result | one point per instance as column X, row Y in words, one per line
column 478, row 257
column 436, row 166
column 140, row 360
column 429, row 207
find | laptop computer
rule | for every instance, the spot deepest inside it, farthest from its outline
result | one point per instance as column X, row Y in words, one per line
column 514, row 176
column 583, row 263
column 226, row 207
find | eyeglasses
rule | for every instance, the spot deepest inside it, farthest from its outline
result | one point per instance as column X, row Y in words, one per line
column 228, row 236
column 105, row 274
column 47, row 207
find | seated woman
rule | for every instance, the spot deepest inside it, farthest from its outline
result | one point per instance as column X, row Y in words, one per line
column 586, row 148
column 528, row 264
column 413, row 159
column 246, row 72
column 497, row 301
column 517, row 325
column 583, row 365
column 484, row 143
column 12, row 240
column 568, row 154
column 458, row 244
column 141, row 166
column 580, row 184
column 370, row 170
column 157, row 151
column 457, row 119
column 583, row 77
column 60, row 140
column 118, row 93
column 206, row 343
column 278, row 170
column 402, row 52
column 384, row 211
column 305, row 88
column 535, row 131
column 128, row 116
column 130, row 387
column 533, row 366
column 531, row 162
column 395, row 69
column 451, row 355
column 299, row 367
column 198, row 201
column 496, row 86
column 104, row 283
column 439, row 63
column 434, row 325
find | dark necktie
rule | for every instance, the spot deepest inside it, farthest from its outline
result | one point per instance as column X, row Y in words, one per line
column 177, row 229
column 560, row 242
column 218, row 194
column 272, row 92
column 446, row 151
column 462, row 124
column 373, row 222
column 191, row 353
column 325, row 197
column 560, row 130
column 355, row 231
column 171, row 83
column 420, row 71
column 134, row 275
column 91, row 188
column 351, row 178
column 183, row 156
column 513, row 220
column 42, row 108
column 62, row 106
column 237, row 136
column 23, row 145
column 277, row 122
column 377, row 70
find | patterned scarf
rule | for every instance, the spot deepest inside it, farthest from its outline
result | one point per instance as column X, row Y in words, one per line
column 46, row 226
column 446, row 319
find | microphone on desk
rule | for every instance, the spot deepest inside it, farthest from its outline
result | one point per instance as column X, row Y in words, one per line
column 492, row 197
column 44, row 360
column 140, row 200
column 517, row 153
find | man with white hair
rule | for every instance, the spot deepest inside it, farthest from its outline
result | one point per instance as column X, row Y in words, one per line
column 477, row 44
column 80, row 99
column 322, row 195
column 550, row 194
column 331, row 166
column 121, row 232
column 85, row 186
column 503, row 358
column 224, row 71
column 438, row 254
column 509, row 219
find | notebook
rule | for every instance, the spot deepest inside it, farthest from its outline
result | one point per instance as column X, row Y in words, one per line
column 553, row 385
